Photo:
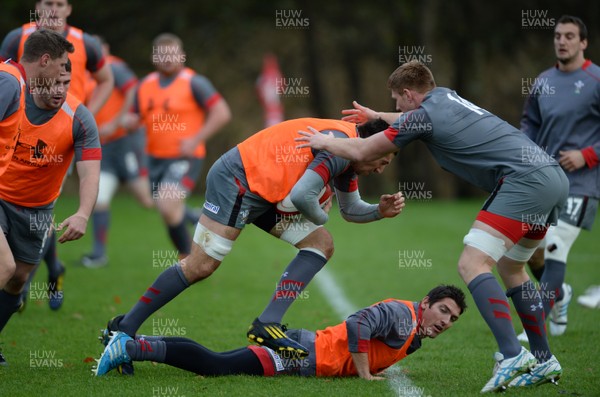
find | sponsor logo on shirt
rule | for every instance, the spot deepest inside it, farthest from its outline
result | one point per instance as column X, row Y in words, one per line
column 211, row 207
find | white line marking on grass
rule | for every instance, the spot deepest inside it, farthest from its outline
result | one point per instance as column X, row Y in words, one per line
column 400, row 384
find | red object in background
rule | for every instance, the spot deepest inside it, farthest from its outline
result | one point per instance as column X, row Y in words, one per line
column 269, row 84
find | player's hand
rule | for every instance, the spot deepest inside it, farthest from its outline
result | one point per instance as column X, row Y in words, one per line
column 188, row 147
column 107, row 128
column 74, row 228
column 328, row 204
column 360, row 114
column 391, row 205
column 571, row 160
column 130, row 121
column 314, row 139
column 373, row 377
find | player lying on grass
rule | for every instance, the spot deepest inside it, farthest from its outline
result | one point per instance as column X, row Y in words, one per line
column 368, row 342
column 526, row 197
column 244, row 187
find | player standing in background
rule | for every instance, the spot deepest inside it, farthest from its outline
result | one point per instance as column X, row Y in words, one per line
column 56, row 128
column 562, row 115
column 367, row 343
column 52, row 15
column 243, row 187
column 122, row 154
column 180, row 110
column 486, row 151
column 45, row 57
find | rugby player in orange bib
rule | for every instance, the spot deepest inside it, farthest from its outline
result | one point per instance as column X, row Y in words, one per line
column 86, row 57
column 52, row 15
column 45, row 57
column 364, row 345
column 56, row 128
column 244, row 187
column 180, row 110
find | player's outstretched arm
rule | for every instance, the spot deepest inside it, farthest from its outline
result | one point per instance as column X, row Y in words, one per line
column 361, row 114
column 355, row 149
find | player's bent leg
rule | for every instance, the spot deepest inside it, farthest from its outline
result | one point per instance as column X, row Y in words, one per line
column 7, row 262
column 10, row 296
column 559, row 239
column 170, row 203
column 484, row 246
column 140, row 187
column 536, row 262
column 107, row 187
column 316, row 247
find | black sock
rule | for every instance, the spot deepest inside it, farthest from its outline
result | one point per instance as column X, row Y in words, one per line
column 194, row 357
column 181, row 238
column 537, row 273
column 51, row 258
column 8, row 305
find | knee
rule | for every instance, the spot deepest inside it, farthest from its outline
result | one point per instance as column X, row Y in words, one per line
column 537, row 259
column 7, row 270
column 320, row 239
column 195, row 271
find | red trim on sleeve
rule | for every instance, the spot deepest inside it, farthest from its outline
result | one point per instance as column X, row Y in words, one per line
column 323, row 172
column 586, row 64
column 144, row 171
column 101, row 63
column 216, row 97
column 91, row 154
column 363, row 345
column 590, row 157
column 265, row 360
column 353, row 185
column 390, row 133
column 128, row 85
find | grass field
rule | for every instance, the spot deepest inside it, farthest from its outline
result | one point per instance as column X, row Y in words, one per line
column 49, row 352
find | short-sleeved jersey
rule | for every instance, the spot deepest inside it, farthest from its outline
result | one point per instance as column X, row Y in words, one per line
column 273, row 164
column 125, row 80
column 87, row 54
column 562, row 112
column 173, row 110
column 385, row 330
column 467, row 140
column 12, row 110
column 47, row 144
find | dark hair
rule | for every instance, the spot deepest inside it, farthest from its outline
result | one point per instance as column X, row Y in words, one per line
column 448, row 291
column 412, row 75
column 371, row 127
column 68, row 66
column 583, row 33
column 44, row 41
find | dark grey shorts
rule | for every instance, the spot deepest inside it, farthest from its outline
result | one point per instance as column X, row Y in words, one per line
column 580, row 211
column 123, row 158
column 181, row 172
column 26, row 230
column 229, row 200
column 535, row 198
